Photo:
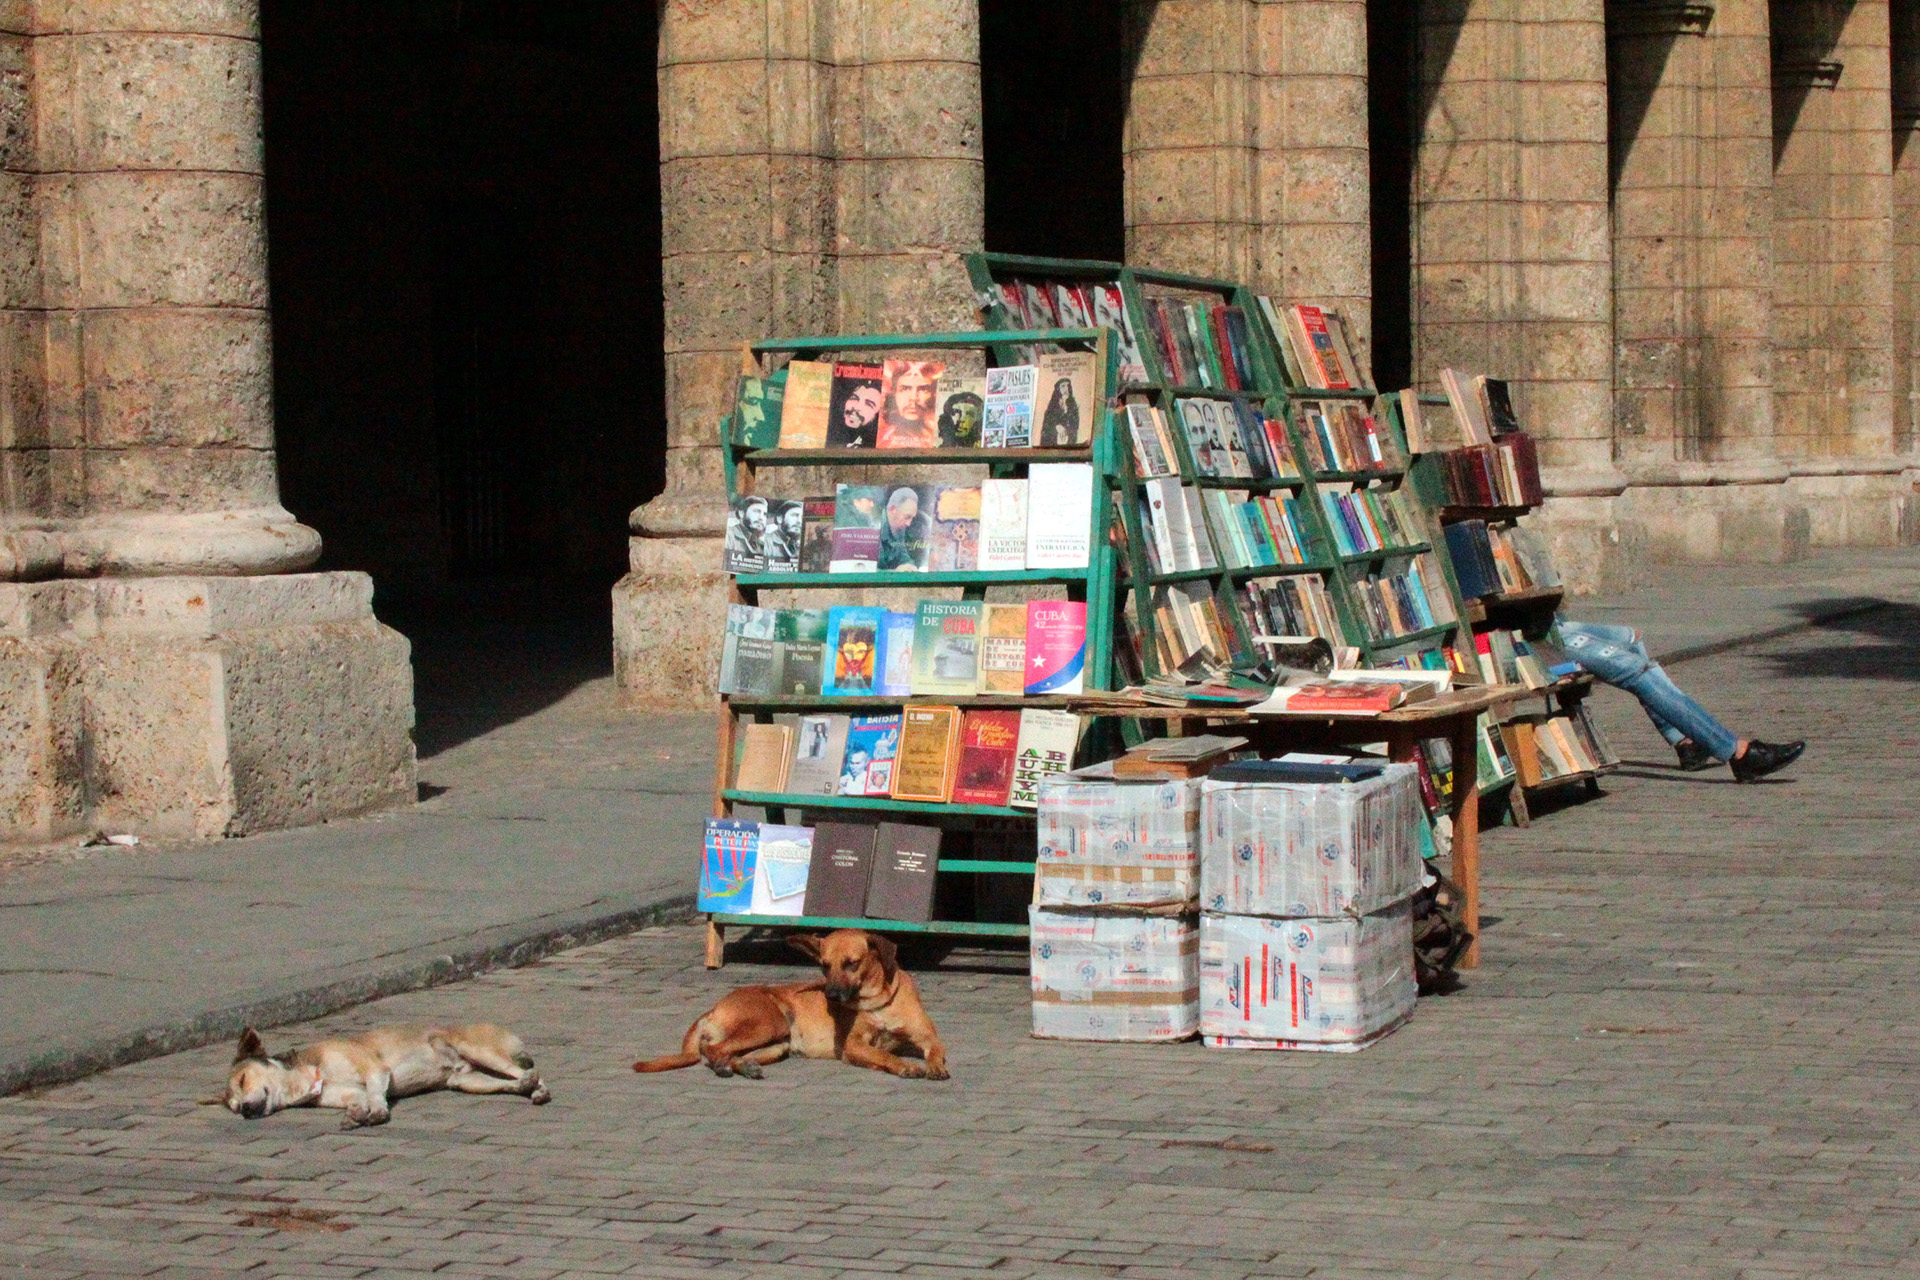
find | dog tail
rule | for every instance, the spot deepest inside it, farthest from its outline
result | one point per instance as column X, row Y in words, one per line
column 672, row 1062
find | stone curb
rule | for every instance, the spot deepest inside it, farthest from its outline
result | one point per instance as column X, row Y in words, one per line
column 502, row 947
column 1823, row 611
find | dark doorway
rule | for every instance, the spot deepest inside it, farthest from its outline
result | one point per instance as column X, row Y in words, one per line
column 1052, row 91
column 464, row 236
column 1393, row 134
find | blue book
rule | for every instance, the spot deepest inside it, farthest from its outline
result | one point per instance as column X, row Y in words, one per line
column 896, row 655
column 727, row 858
column 1473, row 564
column 873, row 743
column 856, row 636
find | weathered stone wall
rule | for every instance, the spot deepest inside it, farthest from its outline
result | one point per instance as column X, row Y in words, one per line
column 1904, row 37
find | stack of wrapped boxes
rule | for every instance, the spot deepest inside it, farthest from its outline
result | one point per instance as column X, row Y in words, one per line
column 1115, row 946
column 1306, row 933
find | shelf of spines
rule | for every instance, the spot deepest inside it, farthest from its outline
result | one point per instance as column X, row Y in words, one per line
column 741, row 465
column 1274, row 398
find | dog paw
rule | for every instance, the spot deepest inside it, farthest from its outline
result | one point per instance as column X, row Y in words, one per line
column 939, row 1072
column 541, row 1095
column 751, row 1070
column 913, row 1071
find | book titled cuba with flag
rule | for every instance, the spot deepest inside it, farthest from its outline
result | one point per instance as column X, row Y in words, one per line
column 727, row 859
column 1056, row 646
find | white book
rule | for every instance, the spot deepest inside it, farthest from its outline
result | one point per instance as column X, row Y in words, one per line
column 1009, row 413
column 1148, row 453
column 1233, row 448
column 1003, row 524
column 780, row 870
column 1199, row 429
column 1167, row 510
column 1059, row 515
column 1197, row 526
column 1227, row 534
column 1046, row 746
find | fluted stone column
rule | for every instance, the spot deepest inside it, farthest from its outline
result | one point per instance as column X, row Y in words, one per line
column 161, row 667
column 820, row 173
column 1905, row 37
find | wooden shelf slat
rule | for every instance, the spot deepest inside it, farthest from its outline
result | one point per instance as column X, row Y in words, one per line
column 981, row 927
column 902, row 457
column 787, row 800
column 939, row 577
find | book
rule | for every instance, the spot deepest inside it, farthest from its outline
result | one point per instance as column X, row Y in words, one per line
column 809, row 399
column 988, row 740
column 1501, row 419
column 1003, row 648
column 853, row 420
column 1009, row 412
column 746, row 528
column 858, row 511
column 954, row 536
column 1059, row 515
column 963, row 408
column 853, row 650
column 756, row 420
column 800, row 644
column 1151, row 456
column 1003, row 525
column 837, row 874
column 1316, row 347
column 1469, row 411
column 1046, row 746
column 1056, row 646
column 765, row 752
column 746, row 650
column 780, row 541
column 727, row 856
column 819, row 749
column 946, row 647
column 896, row 655
column 816, row 535
column 929, row 747
column 909, row 404
column 780, row 868
column 1066, row 398
column 900, row 881
column 1110, row 310
column 873, row 745
column 904, row 540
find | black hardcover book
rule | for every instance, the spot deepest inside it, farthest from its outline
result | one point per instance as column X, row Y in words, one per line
column 837, row 876
column 904, row 861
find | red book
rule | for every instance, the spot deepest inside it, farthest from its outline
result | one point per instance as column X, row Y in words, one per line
column 988, row 740
column 1345, row 695
column 1320, row 348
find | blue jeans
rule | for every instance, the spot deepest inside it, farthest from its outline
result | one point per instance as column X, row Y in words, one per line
column 1617, row 656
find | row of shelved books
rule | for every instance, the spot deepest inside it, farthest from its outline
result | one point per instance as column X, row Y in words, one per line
column 1051, row 403
column 1508, row 657
column 1340, row 435
column 1191, row 628
column 1543, row 749
column 1067, row 304
column 1185, row 524
column 1373, row 520
column 1404, row 599
column 1506, row 474
column 1043, row 521
column 944, row 648
column 924, row 752
column 1489, row 560
column 1230, row 438
column 1313, row 347
column 1202, row 342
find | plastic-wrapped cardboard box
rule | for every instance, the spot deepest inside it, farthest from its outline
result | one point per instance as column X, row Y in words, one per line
column 1099, row 976
column 1333, row 984
column 1108, row 842
column 1311, row 849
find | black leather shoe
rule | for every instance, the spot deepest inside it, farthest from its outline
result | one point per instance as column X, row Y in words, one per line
column 1693, row 756
column 1763, row 758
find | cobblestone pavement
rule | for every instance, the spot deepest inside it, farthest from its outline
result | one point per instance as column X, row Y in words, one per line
column 1692, row 1052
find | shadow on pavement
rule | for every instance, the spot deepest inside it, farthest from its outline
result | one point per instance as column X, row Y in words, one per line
column 1896, row 628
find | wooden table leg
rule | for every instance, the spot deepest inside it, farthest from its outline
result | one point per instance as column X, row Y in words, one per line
column 1466, row 832
column 716, row 943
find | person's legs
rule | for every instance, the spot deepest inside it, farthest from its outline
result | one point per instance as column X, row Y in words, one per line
column 1618, row 656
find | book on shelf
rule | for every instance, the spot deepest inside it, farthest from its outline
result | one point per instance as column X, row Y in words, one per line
column 929, row 748
column 900, row 880
column 807, row 405
column 1506, row 474
column 988, row 742
column 963, row 409
column 853, row 418
column 728, row 851
column 780, row 868
column 1373, row 519
column 1482, row 406
column 1066, row 399
column 1189, row 626
column 1046, row 745
column 954, row 534
column 1009, row 410
column 1489, row 560
column 1037, row 299
column 819, row 751
column 1501, row 419
column 800, row 645
column 858, row 510
column 1201, row 342
column 1153, row 451
column 780, row 543
column 854, row 638
column 1470, row 549
column 1496, row 764
column 946, row 648
column 873, row 746
column 837, row 876
column 765, row 752
column 1596, row 743
column 1506, row 657
column 909, row 405
column 896, row 655
column 1003, row 648
column 746, row 526
column 1056, row 646
column 1314, row 348
column 1072, row 305
column 1405, row 596
column 1110, row 310
column 1003, row 525
column 747, row 652
column 756, row 422
column 1340, row 435
column 816, row 534
column 1294, row 606
column 1059, row 515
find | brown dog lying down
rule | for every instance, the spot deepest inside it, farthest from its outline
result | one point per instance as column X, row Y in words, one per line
column 361, row 1073
column 863, row 1010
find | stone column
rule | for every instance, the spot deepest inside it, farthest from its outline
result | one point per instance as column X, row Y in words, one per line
column 1905, row 38
column 820, row 173
column 136, row 433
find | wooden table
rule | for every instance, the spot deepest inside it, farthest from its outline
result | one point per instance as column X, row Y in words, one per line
column 1449, row 715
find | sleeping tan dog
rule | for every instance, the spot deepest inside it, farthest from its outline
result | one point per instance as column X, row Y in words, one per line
column 360, row 1074
column 863, row 1010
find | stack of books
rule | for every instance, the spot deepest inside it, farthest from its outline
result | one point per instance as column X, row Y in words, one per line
column 1201, row 342
column 1340, row 436
column 1313, row 347
column 1373, row 520
column 1490, row 561
column 1404, row 600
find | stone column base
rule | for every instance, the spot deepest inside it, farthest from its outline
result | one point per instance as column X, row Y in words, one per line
column 199, row 707
column 669, row 616
column 1719, row 513
column 1859, row 508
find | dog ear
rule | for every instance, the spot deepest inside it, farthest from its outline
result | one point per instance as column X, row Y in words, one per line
column 807, row 944
column 250, row 1046
column 889, row 955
